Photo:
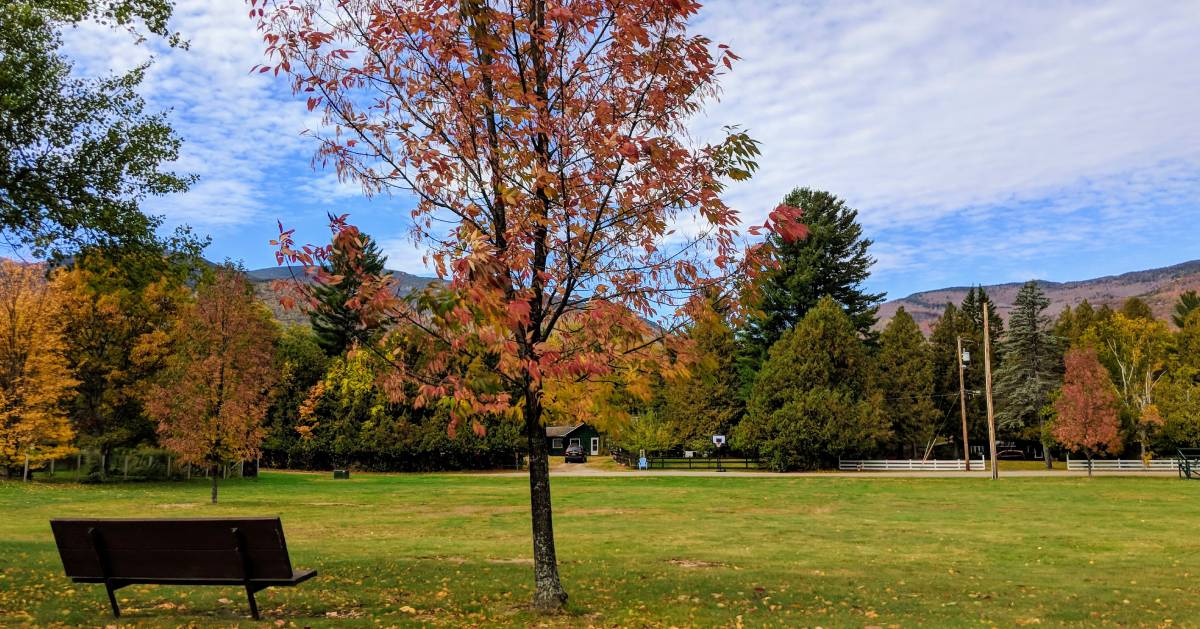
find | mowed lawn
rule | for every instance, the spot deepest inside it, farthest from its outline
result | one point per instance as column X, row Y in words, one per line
column 453, row 550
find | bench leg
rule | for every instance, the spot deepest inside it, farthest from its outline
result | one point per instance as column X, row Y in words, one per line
column 253, row 604
column 112, row 599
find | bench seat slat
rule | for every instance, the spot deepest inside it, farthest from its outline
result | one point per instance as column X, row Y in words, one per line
column 300, row 576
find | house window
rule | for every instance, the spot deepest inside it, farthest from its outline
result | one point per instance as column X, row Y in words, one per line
column 556, row 444
column 574, row 442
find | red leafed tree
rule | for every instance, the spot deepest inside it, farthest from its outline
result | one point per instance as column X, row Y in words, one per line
column 1088, row 420
column 555, row 185
column 210, row 399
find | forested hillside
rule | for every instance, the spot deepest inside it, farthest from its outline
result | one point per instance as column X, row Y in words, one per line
column 1159, row 288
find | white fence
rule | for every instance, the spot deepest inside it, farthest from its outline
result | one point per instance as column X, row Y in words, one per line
column 1124, row 465
column 910, row 465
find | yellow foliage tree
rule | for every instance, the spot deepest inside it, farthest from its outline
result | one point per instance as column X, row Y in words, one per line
column 34, row 378
column 115, row 314
column 1135, row 351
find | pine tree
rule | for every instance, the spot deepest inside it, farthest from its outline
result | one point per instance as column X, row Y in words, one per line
column 906, row 381
column 965, row 320
column 832, row 261
column 943, row 348
column 336, row 324
column 972, row 309
column 814, row 400
column 1032, row 365
column 706, row 401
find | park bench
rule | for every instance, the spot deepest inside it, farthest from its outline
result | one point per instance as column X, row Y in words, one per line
column 249, row 552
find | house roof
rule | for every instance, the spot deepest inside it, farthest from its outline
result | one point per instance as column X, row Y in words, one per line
column 561, row 431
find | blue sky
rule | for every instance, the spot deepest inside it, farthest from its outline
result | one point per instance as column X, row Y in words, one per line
column 982, row 142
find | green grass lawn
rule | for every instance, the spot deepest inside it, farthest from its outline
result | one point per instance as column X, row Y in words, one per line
column 453, row 550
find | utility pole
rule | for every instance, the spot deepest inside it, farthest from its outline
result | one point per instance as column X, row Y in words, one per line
column 962, row 405
column 987, row 375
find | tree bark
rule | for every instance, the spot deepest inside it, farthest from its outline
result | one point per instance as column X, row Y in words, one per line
column 548, row 595
column 214, row 484
column 1089, row 457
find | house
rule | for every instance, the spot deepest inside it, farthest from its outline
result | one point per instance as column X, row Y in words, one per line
column 559, row 438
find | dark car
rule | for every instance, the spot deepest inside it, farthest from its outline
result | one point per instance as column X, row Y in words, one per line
column 575, row 455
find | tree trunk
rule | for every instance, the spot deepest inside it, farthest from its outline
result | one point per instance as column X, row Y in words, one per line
column 1089, row 457
column 1045, row 443
column 548, row 595
column 214, row 484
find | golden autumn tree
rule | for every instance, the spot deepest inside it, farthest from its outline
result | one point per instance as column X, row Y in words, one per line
column 1135, row 349
column 35, row 380
column 115, row 311
column 214, row 390
column 556, row 187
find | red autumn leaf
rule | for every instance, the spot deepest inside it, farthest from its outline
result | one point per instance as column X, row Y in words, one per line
column 785, row 221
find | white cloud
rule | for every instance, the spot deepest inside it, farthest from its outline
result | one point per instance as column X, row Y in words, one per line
column 968, row 133
column 237, row 126
column 328, row 188
column 919, row 113
column 403, row 255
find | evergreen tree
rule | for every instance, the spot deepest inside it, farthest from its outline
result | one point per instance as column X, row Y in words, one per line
column 1073, row 324
column 1188, row 303
column 1032, row 366
column 814, row 400
column 706, row 401
column 832, row 261
column 972, row 308
column 975, row 374
column 943, row 349
column 336, row 324
column 906, row 381
column 966, row 321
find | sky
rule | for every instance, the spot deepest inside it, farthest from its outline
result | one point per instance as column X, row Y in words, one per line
column 982, row 142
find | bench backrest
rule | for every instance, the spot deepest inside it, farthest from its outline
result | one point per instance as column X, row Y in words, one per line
column 202, row 548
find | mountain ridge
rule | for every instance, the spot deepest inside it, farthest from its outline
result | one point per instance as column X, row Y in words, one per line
column 1158, row 287
column 264, row 279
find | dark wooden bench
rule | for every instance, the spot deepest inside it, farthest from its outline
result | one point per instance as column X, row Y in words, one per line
column 249, row 552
